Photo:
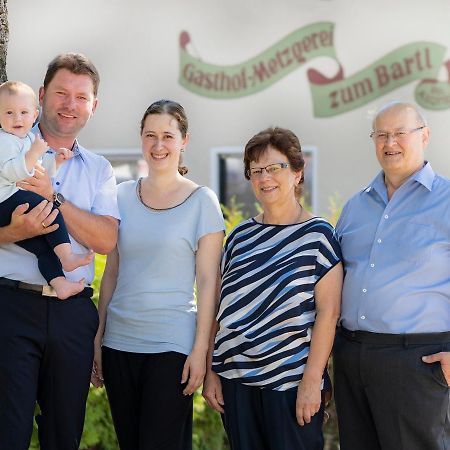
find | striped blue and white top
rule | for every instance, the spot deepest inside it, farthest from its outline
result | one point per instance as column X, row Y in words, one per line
column 267, row 305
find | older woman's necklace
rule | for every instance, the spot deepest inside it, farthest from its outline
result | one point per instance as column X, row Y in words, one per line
column 293, row 221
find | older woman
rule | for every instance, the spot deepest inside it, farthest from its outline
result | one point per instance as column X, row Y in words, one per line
column 155, row 344
column 279, row 303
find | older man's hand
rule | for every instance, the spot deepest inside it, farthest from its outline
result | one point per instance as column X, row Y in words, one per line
column 444, row 359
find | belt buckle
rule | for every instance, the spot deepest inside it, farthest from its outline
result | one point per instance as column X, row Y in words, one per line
column 48, row 291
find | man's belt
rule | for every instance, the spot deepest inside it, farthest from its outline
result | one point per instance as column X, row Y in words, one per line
column 46, row 290
column 367, row 337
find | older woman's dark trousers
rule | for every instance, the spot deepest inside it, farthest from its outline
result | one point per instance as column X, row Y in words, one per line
column 264, row 419
column 387, row 398
column 146, row 397
column 41, row 246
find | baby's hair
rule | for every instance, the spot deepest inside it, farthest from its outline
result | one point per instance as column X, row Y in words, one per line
column 15, row 87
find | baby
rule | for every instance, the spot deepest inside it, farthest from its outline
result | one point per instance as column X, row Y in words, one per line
column 20, row 151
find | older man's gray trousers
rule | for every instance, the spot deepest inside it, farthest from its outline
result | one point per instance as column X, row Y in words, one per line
column 387, row 398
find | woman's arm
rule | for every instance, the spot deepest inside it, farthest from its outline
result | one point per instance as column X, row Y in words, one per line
column 212, row 387
column 207, row 267
column 327, row 294
column 107, row 288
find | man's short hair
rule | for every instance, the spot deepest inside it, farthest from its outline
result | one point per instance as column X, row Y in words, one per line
column 76, row 63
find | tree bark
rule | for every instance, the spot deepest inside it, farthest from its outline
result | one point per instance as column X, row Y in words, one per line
column 4, row 37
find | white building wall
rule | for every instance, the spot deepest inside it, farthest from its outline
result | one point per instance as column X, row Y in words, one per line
column 135, row 47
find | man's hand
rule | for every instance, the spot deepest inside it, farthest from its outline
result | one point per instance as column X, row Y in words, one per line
column 39, row 183
column 33, row 223
column 444, row 359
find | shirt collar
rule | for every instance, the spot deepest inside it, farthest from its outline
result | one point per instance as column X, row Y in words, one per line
column 76, row 148
column 424, row 176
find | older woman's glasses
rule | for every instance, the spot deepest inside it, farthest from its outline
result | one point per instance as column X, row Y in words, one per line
column 271, row 169
column 397, row 136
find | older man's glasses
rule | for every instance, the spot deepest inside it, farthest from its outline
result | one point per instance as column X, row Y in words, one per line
column 397, row 136
column 271, row 169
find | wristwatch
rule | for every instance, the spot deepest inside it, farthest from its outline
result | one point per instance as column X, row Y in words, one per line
column 58, row 199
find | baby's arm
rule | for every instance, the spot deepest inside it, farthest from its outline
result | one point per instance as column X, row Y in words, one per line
column 37, row 149
column 15, row 160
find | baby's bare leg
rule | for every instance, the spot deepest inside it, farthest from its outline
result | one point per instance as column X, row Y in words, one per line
column 71, row 261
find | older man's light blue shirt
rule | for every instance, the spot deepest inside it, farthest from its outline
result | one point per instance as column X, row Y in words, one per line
column 88, row 181
column 397, row 256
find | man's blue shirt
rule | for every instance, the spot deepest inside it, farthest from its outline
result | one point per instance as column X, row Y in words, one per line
column 396, row 256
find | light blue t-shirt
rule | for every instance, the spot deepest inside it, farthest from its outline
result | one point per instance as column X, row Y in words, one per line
column 153, row 308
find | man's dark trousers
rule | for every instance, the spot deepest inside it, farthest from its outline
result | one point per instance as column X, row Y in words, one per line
column 387, row 398
column 46, row 354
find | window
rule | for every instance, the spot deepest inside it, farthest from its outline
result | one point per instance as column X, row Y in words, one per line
column 127, row 163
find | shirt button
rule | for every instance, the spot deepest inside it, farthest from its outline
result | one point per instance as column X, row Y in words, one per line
column 379, row 241
column 386, row 216
column 364, row 290
column 372, row 265
column 363, row 317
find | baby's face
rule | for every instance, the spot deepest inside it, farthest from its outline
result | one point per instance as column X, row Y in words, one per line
column 18, row 111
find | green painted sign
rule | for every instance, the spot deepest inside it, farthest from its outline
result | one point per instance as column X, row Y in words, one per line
column 331, row 96
column 434, row 94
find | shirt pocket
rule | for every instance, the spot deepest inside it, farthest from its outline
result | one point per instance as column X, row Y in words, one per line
column 415, row 242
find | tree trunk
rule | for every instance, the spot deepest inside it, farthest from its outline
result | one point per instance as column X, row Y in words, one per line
column 4, row 37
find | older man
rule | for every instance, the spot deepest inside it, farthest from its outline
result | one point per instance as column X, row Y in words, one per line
column 392, row 354
column 46, row 344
